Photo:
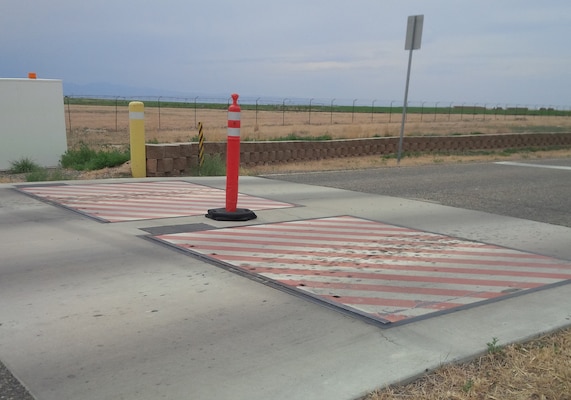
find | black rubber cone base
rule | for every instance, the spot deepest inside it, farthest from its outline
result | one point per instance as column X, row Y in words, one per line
column 241, row 214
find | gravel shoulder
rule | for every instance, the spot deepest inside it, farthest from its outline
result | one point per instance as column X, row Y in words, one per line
column 10, row 387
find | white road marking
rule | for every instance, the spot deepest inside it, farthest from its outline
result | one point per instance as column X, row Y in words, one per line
column 516, row 164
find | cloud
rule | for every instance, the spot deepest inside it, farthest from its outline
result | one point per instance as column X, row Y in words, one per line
column 329, row 48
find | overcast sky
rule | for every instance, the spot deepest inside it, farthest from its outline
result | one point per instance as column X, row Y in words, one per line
column 487, row 51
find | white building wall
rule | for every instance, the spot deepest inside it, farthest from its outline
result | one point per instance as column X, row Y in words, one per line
column 32, row 121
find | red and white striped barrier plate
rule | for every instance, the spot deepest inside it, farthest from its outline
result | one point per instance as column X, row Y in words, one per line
column 386, row 273
column 118, row 202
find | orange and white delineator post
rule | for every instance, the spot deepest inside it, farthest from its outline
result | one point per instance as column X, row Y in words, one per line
column 232, row 212
column 233, row 155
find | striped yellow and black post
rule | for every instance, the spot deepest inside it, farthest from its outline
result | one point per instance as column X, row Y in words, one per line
column 137, row 139
column 200, row 145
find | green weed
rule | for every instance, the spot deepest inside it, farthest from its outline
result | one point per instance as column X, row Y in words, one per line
column 295, row 136
column 494, row 347
column 44, row 175
column 213, row 166
column 86, row 159
column 404, row 154
column 538, row 129
column 23, row 165
column 525, row 150
column 468, row 386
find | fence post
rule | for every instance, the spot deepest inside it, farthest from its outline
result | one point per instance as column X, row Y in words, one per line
column 159, row 106
column 137, row 139
column 256, row 126
column 332, row 111
column 310, row 100
column 68, row 114
column 435, row 110
column 391, row 111
column 116, row 113
column 195, row 110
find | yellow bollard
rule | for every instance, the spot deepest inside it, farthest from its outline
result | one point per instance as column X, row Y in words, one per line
column 137, row 139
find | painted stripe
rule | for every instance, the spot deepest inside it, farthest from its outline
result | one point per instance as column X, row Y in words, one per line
column 387, row 288
column 136, row 115
column 345, row 240
column 382, row 273
column 516, row 164
column 367, row 239
column 354, row 249
column 498, row 268
column 234, row 132
column 379, row 301
column 397, row 287
column 401, row 278
column 233, row 116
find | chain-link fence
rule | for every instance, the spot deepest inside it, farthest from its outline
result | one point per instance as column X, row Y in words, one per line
column 103, row 120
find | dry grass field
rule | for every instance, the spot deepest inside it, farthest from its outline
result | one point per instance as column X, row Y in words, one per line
column 101, row 126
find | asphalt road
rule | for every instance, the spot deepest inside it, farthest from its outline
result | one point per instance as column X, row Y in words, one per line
column 529, row 191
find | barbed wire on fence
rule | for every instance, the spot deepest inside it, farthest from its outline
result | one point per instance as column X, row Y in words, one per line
column 299, row 101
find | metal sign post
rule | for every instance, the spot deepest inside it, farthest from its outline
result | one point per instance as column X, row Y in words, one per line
column 412, row 42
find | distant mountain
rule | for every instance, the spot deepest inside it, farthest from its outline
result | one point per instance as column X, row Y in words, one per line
column 110, row 89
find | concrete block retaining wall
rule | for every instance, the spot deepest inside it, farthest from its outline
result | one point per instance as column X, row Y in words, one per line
column 179, row 158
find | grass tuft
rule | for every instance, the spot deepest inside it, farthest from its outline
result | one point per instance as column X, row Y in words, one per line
column 493, row 346
column 23, row 165
column 86, row 159
column 213, row 166
column 44, row 175
column 295, row 136
column 404, row 154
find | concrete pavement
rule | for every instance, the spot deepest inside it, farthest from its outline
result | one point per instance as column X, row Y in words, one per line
column 90, row 310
